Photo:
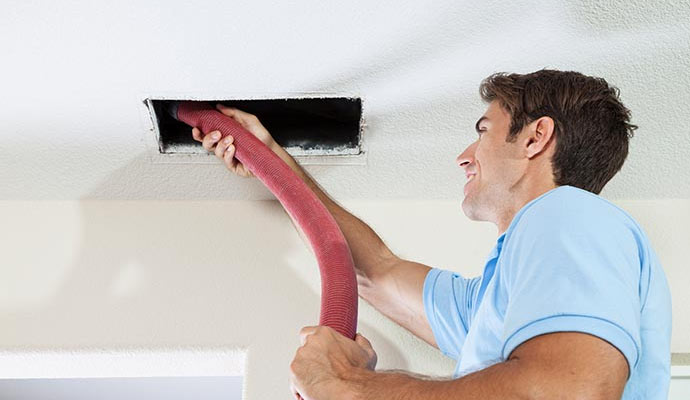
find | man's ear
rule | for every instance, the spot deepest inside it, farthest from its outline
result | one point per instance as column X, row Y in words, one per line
column 539, row 136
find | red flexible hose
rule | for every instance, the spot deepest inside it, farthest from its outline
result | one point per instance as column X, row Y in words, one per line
column 338, row 281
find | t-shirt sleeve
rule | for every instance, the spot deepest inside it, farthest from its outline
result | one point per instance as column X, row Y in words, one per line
column 573, row 273
column 448, row 302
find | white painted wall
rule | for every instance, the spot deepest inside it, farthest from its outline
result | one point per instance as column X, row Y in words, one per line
column 150, row 288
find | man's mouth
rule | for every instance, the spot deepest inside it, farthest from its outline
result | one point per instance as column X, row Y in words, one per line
column 469, row 179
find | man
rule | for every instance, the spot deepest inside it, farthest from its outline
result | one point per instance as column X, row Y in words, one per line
column 572, row 302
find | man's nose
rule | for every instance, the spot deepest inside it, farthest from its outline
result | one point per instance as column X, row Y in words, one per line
column 466, row 157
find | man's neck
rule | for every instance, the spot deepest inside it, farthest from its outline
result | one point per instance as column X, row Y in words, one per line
column 519, row 200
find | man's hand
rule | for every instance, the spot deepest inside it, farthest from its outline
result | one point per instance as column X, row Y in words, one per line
column 225, row 150
column 326, row 360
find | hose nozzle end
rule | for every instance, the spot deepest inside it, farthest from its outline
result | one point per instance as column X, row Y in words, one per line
column 171, row 108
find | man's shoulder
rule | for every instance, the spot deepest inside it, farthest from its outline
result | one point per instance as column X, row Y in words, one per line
column 570, row 208
column 571, row 232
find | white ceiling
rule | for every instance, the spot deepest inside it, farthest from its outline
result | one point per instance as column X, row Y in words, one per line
column 74, row 73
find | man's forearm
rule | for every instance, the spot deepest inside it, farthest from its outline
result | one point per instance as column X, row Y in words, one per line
column 562, row 365
column 368, row 250
column 500, row 381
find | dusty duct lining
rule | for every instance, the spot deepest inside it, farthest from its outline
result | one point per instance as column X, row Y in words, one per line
column 338, row 281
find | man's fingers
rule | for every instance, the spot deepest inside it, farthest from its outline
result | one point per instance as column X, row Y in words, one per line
column 364, row 342
column 229, row 158
column 244, row 118
column 234, row 164
column 222, row 146
column 229, row 111
column 210, row 140
column 306, row 332
column 242, row 170
column 196, row 134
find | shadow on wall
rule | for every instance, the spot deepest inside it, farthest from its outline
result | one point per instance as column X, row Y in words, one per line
column 168, row 274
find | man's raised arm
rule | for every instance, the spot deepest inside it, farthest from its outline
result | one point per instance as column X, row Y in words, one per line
column 392, row 285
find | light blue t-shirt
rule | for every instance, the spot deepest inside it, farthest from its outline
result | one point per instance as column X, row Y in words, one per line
column 569, row 261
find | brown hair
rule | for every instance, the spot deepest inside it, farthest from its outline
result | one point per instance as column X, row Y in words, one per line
column 591, row 124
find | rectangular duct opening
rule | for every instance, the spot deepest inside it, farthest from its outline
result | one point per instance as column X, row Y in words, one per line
column 303, row 126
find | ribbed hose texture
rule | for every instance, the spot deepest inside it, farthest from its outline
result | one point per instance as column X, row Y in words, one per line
column 338, row 281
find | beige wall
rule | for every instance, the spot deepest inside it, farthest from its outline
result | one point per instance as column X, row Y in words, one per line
column 194, row 288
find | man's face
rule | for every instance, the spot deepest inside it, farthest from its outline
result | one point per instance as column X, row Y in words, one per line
column 491, row 165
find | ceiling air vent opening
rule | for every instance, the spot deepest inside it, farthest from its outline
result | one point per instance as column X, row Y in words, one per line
column 303, row 126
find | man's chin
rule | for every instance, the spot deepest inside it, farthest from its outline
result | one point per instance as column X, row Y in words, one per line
column 471, row 208
column 468, row 208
